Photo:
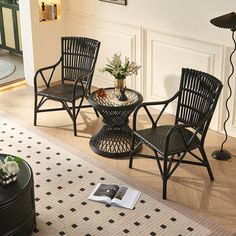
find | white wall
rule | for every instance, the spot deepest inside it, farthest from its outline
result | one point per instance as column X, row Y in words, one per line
column 27, row 40
column 183, row 17
column 40, row 40
column 162, row 36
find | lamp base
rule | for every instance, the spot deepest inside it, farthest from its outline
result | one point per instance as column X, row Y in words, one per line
column 221, row 155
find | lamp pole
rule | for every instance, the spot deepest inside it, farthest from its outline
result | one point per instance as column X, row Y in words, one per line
column 223, row 154
column 227, row 21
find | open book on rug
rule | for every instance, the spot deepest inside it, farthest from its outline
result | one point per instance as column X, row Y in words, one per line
column 113, row 194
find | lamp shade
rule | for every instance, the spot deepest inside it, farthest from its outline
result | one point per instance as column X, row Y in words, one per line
column 227, row 21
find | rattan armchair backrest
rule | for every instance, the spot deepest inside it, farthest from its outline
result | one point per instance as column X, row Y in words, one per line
column 79, row 55
column 199, row 93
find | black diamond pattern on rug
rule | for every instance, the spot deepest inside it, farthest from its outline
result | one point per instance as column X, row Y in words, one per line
column 63, row 182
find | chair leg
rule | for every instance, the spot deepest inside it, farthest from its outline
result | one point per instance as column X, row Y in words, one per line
column 164, row 178
column 35, row 110
column 164, row 189
column 131, row 152
column 204, row 156
column 96, row 112
column 74, row 119
column 131, row 160
column 75, row 128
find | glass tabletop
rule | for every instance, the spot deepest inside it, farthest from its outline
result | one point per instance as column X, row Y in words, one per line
column 108, row 98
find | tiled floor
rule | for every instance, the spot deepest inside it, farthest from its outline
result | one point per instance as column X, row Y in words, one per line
column 15, row 59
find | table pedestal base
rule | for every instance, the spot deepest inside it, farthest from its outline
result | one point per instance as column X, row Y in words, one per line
column 114, row 142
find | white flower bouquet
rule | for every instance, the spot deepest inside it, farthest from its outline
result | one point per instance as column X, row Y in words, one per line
column 119, row 69
column 9, row 168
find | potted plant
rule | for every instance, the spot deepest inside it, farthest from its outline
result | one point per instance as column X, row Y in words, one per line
column 120, row 70
column 9, row 168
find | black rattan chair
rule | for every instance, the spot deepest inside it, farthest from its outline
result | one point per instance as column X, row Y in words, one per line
column 78, row 60
column 197, row 98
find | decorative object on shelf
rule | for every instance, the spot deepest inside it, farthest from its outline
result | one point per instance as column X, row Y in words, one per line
column 51, row 11
column 47, row 11
column 121, row 2
column 9, row 168
column 227, row 21
column 42, row 11
column 120, row 71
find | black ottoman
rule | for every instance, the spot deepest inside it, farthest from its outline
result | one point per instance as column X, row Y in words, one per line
column 17, row 205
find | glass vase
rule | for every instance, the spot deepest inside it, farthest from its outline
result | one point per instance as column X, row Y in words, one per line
column 120, row 86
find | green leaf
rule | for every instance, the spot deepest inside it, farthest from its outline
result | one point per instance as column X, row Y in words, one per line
column 14, row 158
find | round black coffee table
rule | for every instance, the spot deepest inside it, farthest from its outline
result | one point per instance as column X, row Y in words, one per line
column 115, row 137
column 17, row 205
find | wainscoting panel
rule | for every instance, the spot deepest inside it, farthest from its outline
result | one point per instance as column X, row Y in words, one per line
column 114, row 38
column 162, row 56
column 167, row 55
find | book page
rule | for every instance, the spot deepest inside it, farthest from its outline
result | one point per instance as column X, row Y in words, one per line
column 104, row 192
column 126, row 197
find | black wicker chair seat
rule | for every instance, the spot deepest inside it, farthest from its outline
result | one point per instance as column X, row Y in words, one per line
column 197, row 98
column 156, row 138
column 62, row 91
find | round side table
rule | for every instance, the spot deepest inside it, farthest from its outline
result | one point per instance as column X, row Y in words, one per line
column 115, row 137
column 17, row 205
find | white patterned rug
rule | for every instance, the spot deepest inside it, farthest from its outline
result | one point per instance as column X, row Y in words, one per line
column 63, row 180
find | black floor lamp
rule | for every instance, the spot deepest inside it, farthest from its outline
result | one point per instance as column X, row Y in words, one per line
column 227, row 21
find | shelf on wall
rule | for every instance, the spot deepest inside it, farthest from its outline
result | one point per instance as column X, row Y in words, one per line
column 49, row 10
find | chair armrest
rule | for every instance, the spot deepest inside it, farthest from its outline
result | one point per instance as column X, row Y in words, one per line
column 161, row 102
column 145, row 106
column 80, row 80
column 180, row 127
column 196, row 125
column 40, row 71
